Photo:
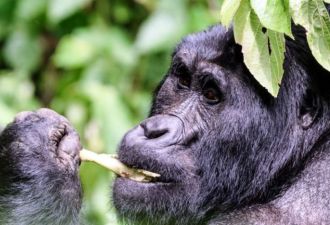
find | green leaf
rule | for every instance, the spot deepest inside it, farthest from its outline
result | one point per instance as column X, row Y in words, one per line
column 163, row 28
column 61, row 9
column 109, row 111
column 273, row 14
column 263, row 51
column 327, row 1
column 228, row 10
column 199, row 18
column 23, row 51
column 277, row 46
column 74, row 51
column 85, row 45
column 313, row 16
column 17, row 94
column 7, row 114
column 30, row 9
column 7, row 8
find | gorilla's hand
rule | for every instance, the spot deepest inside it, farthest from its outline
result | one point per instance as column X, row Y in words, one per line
column 39, row 161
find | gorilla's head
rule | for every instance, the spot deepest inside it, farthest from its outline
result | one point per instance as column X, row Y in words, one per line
column 218, row 139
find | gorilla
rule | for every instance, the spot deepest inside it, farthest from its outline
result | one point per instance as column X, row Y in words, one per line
column 228, row 152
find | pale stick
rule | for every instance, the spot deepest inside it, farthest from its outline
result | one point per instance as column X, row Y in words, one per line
column 112, row 163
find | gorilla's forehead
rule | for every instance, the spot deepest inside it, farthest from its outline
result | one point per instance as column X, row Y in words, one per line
column 206, row 45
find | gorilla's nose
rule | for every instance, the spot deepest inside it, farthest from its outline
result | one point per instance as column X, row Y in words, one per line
column 163, row 129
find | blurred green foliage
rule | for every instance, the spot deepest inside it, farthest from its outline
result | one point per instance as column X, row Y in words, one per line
column 94, row 61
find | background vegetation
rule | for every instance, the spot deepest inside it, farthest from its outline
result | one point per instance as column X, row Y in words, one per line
column 94, row 61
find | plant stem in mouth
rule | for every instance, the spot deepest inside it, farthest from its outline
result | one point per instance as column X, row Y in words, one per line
column 112, row 163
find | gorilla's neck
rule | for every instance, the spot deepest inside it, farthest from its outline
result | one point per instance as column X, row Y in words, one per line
column 305, row 202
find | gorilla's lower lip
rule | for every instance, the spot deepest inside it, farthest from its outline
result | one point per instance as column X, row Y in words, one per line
column 144, row 184
column 162, row 179
column 165, row 175
column 156, row 181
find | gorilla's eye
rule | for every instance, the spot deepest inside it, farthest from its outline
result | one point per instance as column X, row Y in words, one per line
column 211, row 95
column 210, row 89
column 184, row 81
column 182, row 74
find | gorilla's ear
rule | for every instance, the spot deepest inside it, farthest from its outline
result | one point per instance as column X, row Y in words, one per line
column 310, row 108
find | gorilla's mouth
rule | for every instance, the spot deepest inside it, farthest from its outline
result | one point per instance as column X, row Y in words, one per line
column 139, row 175
column 161, row 179
column 153, row 176
column 165, row 174
column 155, row 181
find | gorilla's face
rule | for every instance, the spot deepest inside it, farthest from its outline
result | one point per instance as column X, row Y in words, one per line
column 205, row 119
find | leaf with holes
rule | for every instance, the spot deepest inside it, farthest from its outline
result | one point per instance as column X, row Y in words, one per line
column 277, row 46
column 273, row 14
column 263, row 51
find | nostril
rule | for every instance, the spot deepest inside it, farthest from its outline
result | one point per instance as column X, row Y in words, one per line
column 162, row 130
column 152, row 132
column 155, row 133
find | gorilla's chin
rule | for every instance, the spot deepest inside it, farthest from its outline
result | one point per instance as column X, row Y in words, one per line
column 136, row 201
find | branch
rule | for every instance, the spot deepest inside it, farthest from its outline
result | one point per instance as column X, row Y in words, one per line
column 112, row 163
